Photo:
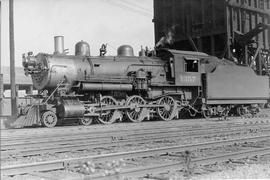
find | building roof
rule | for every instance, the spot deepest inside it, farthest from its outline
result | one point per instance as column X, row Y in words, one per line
column 20, row 76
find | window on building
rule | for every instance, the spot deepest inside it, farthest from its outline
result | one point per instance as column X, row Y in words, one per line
column 255, row 3
column 261, row 4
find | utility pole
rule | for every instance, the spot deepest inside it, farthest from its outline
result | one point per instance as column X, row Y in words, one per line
column 1, row 76
column 12, row 61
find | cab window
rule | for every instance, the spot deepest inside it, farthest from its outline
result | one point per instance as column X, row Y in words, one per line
column 191, row 65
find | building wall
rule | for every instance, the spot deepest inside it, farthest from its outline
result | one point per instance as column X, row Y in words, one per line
column 244, row 15
column 7, row 104
column 206, row 22
column 191, row 17
column 24, row 86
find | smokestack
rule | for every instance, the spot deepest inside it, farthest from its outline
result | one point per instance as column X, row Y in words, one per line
column 58, row 44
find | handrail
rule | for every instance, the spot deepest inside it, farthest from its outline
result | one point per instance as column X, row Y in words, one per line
column 60, row 83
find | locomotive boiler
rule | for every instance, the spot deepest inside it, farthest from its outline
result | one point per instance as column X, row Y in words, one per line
column 160, row 83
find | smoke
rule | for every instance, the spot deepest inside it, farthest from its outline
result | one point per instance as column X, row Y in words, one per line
column 168, row 38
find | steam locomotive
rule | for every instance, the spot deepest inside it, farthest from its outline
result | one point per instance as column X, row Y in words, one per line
column 162, row 83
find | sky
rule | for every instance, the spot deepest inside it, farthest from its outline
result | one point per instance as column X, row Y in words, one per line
column 115, row 22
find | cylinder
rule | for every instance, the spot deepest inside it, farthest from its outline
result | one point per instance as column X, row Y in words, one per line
column 125, row 50
column 58, row 44
column 105, row 87
column 70, row 108
column 82, row 48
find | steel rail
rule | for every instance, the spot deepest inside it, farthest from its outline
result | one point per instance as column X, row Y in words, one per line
column 73, row 162
column 77, row 146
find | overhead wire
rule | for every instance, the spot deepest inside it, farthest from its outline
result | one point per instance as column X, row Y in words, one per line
column 126, row 7
column 136, row 5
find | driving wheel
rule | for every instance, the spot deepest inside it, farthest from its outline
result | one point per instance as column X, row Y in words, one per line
column 106, row 116
column 167, row 112
column 134, row 112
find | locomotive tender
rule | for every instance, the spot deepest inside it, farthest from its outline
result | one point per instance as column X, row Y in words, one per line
column 160, row 83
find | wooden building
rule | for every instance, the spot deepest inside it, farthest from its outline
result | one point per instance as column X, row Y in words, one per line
column 216, row 26
column 23, row 86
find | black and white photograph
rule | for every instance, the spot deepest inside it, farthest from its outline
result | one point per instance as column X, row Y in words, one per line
column 134, row 89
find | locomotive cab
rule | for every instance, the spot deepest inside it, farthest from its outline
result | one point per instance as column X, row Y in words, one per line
column 184, row 67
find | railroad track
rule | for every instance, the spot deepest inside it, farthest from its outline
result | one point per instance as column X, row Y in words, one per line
column 18, row 134
column 61, row 131
column 113, row 133
column 99, row 127
column 156, row 169
column 38, row 148
column 75, row 162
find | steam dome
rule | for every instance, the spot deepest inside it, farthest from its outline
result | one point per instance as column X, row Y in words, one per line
column 125, row 50
column 82, row 48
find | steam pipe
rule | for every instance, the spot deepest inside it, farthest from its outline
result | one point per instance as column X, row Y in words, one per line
column 105, row 87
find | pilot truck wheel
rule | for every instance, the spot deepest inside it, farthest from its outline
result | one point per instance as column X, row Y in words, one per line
column 48, row 119
column 86, row 121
